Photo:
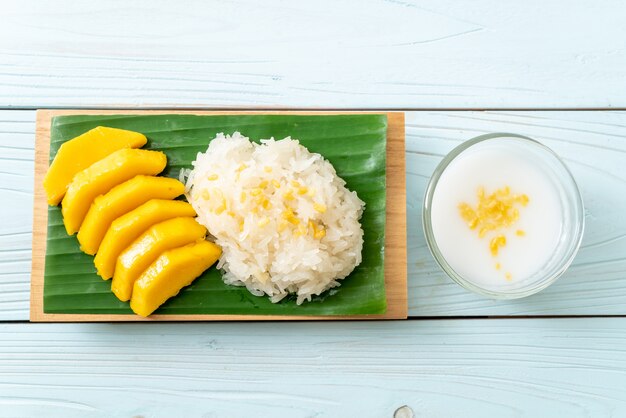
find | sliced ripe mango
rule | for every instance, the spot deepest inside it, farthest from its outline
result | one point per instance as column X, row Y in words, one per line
column 168, row 274
column 127, row 228
column 148, row 247
column 102, row 176
column 79, row 153
column 120, row 200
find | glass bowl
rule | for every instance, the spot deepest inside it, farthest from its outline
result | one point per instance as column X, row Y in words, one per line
column 572, row 227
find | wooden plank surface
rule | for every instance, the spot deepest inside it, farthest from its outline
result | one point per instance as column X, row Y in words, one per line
column 349, row 54
column 513, row 368
column 17, row 144
column 595, row 285
column 395, row 229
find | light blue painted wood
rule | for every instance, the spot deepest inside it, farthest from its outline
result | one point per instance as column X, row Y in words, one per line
column 17, row 142
column 466, row 368
column 349, row 54
column 592, row 144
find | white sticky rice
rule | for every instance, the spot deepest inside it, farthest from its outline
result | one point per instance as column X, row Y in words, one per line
column 286, row 222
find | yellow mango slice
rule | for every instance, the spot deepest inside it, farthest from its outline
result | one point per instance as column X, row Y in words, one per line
column 148, row 247
column 127, row 228
column 168, row 274
column 102, row 176
column 120, row 200
column 79, row 153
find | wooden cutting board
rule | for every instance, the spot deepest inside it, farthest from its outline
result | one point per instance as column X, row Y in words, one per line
column 395, row 230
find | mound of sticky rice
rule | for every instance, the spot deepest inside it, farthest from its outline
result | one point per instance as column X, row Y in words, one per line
column 286, row 222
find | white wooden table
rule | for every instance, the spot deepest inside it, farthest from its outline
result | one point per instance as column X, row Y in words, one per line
column 555, row 71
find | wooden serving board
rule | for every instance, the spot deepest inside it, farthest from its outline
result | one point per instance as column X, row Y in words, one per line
column 395, row 230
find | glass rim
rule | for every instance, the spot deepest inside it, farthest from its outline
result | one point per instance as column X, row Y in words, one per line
column 431, row 242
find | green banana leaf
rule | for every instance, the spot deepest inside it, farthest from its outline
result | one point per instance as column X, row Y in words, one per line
column 354, row 144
